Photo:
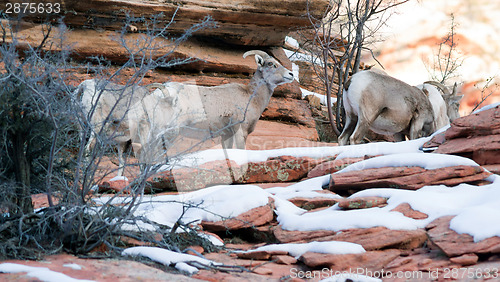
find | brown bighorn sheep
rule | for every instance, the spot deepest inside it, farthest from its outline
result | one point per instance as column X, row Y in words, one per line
column 230, row 110
column 387, row 106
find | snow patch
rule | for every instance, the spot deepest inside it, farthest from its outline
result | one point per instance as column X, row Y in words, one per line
column 73, row 266
column 117, row 178
column 487, row 107
column 351, row 277
column 327, row 247
column 42, row 273
column 292, row 42
column 426, row 161
column 321, row 97
column 382, row 148
column 167, row 258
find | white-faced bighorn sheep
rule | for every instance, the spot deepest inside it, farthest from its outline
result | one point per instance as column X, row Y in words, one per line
column 452, row 101
column 389, row 106
column 230, row 110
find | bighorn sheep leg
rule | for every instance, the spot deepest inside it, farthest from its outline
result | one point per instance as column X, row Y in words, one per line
column 367, row 115
column 416, row 128
column 121, row 159
column 239, row 138
column 349, row 127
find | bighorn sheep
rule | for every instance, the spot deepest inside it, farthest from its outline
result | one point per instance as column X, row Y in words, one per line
column 230, row 110
column 387, row 106
column 106, row 106
column 452, row 101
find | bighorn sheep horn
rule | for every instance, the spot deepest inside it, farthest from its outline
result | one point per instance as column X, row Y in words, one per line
column 166, row 94
column 155, row 85
column 440, row 86
column 256, row 52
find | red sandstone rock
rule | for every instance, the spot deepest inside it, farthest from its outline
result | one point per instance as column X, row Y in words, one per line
column 465, row 260
column 486, row 157
column 285, row 236
column 407, row 211
column 476, row 136
column 470, row 144
column 454, row 244
column 289, row 110
column 263, row 270
column 375, row 238
column 492, row 168
column 189, row 179
column 437, row 140
column 262, row 255
column 422, row 261
column 284, row 259
column 272, row 185
column 313, row 203
column 274, row 135
column 115, row 185
column 313, row 101
column 362, row 203
column 108, row 270
column 330, row 167
column 197, row 250
column 41, row 200
column 273, row 271
column 483, row 123
column 411, row 178
column 238, row 22
column 284, row 168
column 378, row 238
column 254, row 217
column 371, row 261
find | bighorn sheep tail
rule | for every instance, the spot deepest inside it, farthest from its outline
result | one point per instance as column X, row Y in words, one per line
column 256, row 52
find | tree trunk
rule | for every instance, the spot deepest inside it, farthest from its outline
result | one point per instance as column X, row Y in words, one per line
column 22, row 172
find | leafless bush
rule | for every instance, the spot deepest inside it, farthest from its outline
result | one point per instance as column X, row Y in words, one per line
column 487, row 89
column 447, row 61
column 44, row 132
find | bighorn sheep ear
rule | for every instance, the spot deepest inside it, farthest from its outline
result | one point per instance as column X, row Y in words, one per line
column 259, row 60
column 260, row 56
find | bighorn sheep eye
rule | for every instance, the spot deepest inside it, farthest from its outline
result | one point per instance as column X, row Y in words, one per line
column 270, row 64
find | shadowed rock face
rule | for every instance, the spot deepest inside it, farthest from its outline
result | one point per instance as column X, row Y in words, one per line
column 243, row 22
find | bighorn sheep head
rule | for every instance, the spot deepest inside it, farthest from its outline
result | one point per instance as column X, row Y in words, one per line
column 452, row 100
column 272, row 71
